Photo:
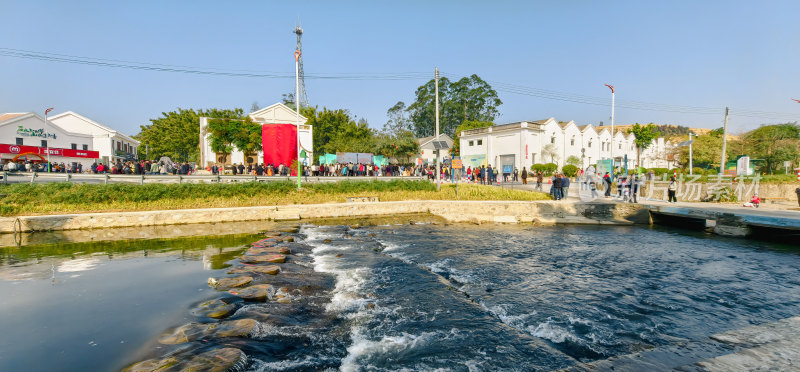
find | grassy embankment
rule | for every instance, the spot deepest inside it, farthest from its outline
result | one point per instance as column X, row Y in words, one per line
column 26, row 199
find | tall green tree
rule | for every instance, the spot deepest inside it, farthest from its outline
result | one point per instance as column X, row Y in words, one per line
column 225, row 130
column 469, row 98
column 398, row 119
column 774, row 143
column 706, row 150
column 466, row 125
column 643, row 137
column 175, row 134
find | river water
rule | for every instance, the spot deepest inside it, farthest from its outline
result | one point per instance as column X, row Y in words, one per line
column 398, row 297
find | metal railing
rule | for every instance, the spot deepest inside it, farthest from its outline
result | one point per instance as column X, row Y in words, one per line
column 141, row 179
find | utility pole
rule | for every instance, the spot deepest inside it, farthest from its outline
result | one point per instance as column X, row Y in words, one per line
column 47, row 140
column 724, row 143
column 438, row 181
column 691, row 172
column 297, row 108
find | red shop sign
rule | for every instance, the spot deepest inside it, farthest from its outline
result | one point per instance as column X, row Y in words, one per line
column 69, row 153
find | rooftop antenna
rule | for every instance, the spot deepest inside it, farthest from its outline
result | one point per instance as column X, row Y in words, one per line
column 302, row 97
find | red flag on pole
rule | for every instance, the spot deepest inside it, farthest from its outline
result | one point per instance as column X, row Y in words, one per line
column 48, row 111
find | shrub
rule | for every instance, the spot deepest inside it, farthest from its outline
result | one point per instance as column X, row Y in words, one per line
column 658, row 171
column 549, row 168
column 570, row 170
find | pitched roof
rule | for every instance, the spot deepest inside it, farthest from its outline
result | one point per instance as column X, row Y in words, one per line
column 10, row 115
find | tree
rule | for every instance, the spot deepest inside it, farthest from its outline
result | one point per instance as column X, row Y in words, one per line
column 469, row 98
column 706, row 151
column 254, row 107
column 175, row 134
column 225, row 130
column 644, row 136
column 398, row 119
column 550, row 150
column 401, row 145
column 574, row 161
column 774, row 143
column 248, row 139
column 466, row 125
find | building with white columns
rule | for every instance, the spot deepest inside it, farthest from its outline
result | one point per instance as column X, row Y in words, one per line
column 525, row 143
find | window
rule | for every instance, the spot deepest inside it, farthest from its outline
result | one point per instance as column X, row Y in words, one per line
column 44, row 143
column 85, row 147
column 119, row 146
column 125, row 147
column 480, row 142
column 619, row 146
column 553, row 139
column 74, row 146
column 19, row 141
column 572, row 141
column 590, row 143
column 471, row 143
column 533, row 158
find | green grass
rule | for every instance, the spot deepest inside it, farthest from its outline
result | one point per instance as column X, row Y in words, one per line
column 22, row 199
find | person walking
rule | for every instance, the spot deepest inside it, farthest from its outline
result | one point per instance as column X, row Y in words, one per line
column 483, row 175
column 524, row 176
column 539, row 179
column 671, row 191
column 564, row 186
column 635, row 188
column 516, row 173
column 489, row 175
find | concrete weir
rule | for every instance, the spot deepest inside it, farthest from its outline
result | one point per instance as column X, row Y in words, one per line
column 728, row 221
column 543, row 212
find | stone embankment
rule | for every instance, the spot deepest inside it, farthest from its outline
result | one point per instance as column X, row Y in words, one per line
column 543, row 212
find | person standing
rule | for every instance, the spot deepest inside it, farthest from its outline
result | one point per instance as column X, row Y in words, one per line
column 797, row 191
column 556, row 187
column 607, row 181
column 564, row 186
column 635, row 188
column 524, row 176
column 489, row 175
column 671, row 191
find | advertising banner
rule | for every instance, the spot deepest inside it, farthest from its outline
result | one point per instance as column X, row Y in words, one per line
column 69, row 153
column 279, row 143
column 603, row 166
column 354, row 157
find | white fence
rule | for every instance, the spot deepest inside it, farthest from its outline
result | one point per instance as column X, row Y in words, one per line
column 40, row 177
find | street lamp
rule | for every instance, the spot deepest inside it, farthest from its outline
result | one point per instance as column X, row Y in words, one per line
column 46, row 141
column 612, row 127
column 691, row 168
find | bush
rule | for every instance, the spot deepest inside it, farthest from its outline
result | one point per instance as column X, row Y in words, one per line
column 570, row 170
column 658, row 171
column 698, row 171
column 549, row 168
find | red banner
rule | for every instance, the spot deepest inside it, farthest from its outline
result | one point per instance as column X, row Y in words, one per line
column 279, row 143
column 69, row 153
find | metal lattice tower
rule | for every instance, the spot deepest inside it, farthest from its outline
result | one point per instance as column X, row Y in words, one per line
column 303, row 99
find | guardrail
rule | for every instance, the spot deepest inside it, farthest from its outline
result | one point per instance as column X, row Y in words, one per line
column 141, row 179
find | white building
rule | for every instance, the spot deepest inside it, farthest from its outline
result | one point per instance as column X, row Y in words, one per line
column 26, row 136
column 112, row 145
column 275, row 114
column 525, row 143
column 427, row 153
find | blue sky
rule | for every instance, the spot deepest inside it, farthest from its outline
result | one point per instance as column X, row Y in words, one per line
column 708, row 54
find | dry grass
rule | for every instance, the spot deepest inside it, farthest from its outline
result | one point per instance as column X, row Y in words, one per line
column 75, row 198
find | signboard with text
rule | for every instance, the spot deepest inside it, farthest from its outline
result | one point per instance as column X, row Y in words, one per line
column 69, row 153
column 457, row 164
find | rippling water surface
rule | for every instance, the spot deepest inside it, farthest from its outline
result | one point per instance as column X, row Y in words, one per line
column 427, row 297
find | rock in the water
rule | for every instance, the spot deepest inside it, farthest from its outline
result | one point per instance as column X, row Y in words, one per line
column 195, row 331
column 291, row 230
column 265, row 250
column 214, row 309
column 246, row 269
column 284, row 300
column 271, row 258
column 152, row 365
column 258, row 292
column 268, row 242
column 326, row 241
column 272, row 233
column 228, row 283
column 217, row 360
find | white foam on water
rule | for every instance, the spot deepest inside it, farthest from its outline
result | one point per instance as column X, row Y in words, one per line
column 516, row 321
column 552, row 332
column 306, row 363
column 81, row 264
column 362, row 348
column 576, row 320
